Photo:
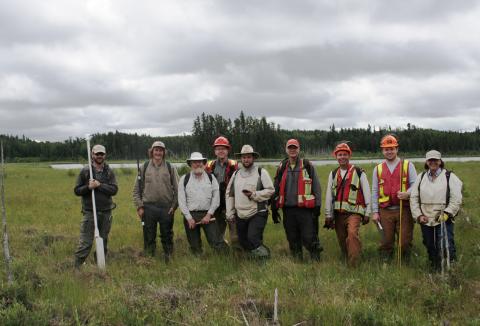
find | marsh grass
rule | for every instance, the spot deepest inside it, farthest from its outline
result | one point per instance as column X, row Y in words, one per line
column 44, row 218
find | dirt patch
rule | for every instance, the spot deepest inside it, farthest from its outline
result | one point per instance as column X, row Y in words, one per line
column 168, row 298
column 131, row 253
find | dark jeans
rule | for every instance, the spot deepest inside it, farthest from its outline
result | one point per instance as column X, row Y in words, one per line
column 194, row 236
column 87, row 234
column 250, row 231
column 432, row 240
column 301, row 228
column 157, row 215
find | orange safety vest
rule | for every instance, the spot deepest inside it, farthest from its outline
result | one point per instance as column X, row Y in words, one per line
column 232, row 166
column 304, row 190
column 347, row 193
column 390, row 183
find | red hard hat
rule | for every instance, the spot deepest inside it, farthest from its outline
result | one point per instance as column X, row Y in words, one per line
column 221, row 141
column 342, row 147
column 388, row 141
column 293, row 142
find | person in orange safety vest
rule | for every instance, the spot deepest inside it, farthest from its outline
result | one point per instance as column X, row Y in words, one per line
column 223, row 168
column 298, row 194
column 391, row 186
column 347, row 203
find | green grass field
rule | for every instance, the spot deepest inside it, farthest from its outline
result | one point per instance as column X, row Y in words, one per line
column 43, row 223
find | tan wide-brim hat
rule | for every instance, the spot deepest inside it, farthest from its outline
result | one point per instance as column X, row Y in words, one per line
column 247, row 149
column 196, row 156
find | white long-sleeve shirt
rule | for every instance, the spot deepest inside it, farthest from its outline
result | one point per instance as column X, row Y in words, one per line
column 247, row 179
column 329, row 196
column 199, row 195
column 433, row 197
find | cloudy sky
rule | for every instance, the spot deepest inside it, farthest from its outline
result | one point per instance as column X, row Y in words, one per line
column 73, row 67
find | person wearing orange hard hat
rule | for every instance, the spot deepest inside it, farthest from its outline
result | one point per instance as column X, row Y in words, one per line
column 347, row 203
column 391, row 186
column 223, row 168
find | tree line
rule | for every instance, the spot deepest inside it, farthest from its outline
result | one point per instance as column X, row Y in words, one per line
column 266, row 137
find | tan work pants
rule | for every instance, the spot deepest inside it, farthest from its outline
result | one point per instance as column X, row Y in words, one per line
column 390, row 220
column 347, row 226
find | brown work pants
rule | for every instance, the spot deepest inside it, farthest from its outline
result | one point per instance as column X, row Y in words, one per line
column 346, row 227
column 390, row 220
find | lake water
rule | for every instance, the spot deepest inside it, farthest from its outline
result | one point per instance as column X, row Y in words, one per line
column 319, row 162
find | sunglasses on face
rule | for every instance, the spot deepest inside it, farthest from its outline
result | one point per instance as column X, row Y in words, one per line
column 99, row 154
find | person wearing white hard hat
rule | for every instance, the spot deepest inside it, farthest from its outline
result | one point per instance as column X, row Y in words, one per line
column 155, row 196
column 198, row 198
column 435, row 200
column 247, row 196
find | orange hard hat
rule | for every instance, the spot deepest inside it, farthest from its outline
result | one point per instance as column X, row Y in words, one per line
column 221, row 141
column 342, row 147
column 388, row 141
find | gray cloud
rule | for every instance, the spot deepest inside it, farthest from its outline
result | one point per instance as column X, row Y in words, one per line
column 68, row 68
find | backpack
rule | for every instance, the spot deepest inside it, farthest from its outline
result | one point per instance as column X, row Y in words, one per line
column 187, row 178
column 447, row 198
column 260, row 205
column 142, row 176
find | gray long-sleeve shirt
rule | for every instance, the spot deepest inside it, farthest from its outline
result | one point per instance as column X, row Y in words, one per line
column 199, row 195
column 412, row 176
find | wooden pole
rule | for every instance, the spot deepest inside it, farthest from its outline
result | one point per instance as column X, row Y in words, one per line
column 6, row 249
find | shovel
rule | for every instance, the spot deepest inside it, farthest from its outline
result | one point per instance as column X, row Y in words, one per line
column 98, row 240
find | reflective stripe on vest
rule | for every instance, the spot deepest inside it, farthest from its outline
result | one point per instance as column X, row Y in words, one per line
column 305, row 198
column 382, row 198
column 351, row 205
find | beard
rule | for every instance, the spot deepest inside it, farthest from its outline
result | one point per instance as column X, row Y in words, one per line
column 198, row 170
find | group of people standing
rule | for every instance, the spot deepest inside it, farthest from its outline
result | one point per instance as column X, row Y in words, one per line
column 221, row 194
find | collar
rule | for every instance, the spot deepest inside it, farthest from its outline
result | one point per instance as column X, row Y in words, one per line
column 437, row 173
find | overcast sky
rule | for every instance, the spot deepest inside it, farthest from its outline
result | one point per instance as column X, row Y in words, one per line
column 73, row 67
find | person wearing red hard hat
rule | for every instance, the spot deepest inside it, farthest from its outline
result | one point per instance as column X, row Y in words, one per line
column 298, row 194
column 391, row 186
column 223, row 168
column 347, row 203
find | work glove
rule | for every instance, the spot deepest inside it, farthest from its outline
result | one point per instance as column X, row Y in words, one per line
column 276, row 216
column 329, row 223
column 443, row 218
column 316, row 211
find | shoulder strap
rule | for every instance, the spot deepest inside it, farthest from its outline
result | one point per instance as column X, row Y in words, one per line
column 447, row 175
column 259, row 182
column 359, row 171
column 334, row 173
column 170, row 171
column 308, row 166
column 186, row 179
column 142, row 180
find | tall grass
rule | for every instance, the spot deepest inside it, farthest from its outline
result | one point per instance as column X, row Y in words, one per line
column 44, row 218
